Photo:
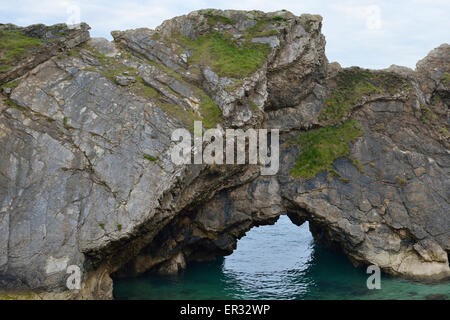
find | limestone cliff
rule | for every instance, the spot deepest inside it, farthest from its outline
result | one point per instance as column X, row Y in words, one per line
column 86, row 177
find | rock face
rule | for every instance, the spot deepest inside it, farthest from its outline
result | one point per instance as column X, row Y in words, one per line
column 34, row 45
column 86, row 177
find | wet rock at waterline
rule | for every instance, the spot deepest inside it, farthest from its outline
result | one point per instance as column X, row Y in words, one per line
column 86, row 177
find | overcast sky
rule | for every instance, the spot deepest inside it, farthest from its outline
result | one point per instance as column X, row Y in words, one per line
column 367, row 33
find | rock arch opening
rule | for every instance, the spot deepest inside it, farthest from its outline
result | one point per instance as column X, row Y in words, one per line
column 277, row 259
column 265, row 264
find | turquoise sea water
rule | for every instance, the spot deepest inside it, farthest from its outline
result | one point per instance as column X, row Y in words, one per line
column 274, row 262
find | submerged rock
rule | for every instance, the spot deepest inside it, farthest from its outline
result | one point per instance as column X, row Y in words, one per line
column 86, row 177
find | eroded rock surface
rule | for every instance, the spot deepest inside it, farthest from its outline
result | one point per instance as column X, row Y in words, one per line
column 86, row 177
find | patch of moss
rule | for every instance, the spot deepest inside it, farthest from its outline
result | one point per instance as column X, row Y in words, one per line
column 351, row 85
column 14, row 105
column 321, row 147
column 225, row 56
column 357, row 164
column 268, row 33
column 149, row 157
column 237, row 83
column 344, row 180
column 400, row 181
column 307, row 25
column 156, row 36
column 11, row 85
column 15, row 45
column 278, row 18
column 436, row 99
column 101, row 225
column 428, row 115
column 445, row 79
column 110, row 67
column 119, row 227
column 214, row 19
column 210, row 112
column 167, row 70
column 261, row 24
column 253, row 106
column 178, row 112
column 143, row 90
column 379, row 127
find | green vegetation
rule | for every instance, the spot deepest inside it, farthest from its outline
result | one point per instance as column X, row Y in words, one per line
column 186, row 116
column 307, row 25
column 214, row 19
column 278, row 18
column 400, row 181
column 357, row 164
column 101, row 225
column 236, row 83
column 445, row 79
column 119, row 227
column 15, row 45
column 379, row 127
column 143, row 90
column 4, row 295
column 11, row 85
column 12, row 104
column 110, row 66
column 211, row 113
column 156, row 36
column 321, row 147
column 266, row 33
column 258, row 29
column 225, row 56
column 428, row 115
column 149, row 157
column 351, row 86
column 253, row 106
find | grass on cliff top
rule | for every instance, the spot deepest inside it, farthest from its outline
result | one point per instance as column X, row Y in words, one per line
column 14, row 45
column 214, row 19
column 225, row 56
column 321, row 147
column 351, row 86
column 258, row 30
